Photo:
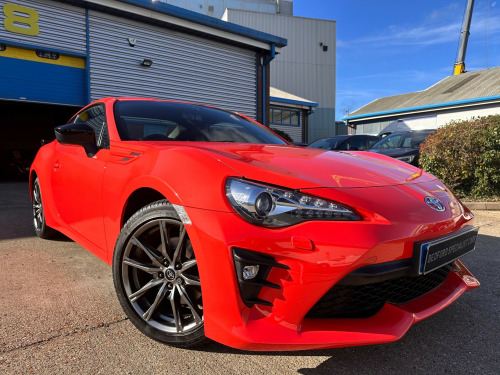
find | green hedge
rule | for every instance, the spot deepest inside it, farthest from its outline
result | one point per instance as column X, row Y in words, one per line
column 466, row 156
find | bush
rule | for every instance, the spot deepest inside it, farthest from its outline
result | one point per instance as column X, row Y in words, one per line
column 465, row 155
column 282, row 134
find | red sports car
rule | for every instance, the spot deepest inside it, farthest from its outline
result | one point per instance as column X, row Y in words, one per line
column 217, row 228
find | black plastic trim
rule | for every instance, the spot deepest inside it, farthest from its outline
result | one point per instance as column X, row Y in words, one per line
column 250, row 289
column 375, row 273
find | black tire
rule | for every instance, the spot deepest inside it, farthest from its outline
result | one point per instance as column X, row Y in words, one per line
column 42, row 230
column 156, row 277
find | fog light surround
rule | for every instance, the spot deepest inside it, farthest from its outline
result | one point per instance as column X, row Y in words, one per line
column 252, row 269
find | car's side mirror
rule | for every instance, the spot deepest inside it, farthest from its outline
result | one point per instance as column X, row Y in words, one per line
column 80, row 134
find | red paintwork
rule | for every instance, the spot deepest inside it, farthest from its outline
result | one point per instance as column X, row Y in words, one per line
column 85, row 198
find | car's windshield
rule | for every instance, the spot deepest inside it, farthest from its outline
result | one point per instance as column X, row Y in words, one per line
column 328, row 143
column 139, row 120
column 401, row 140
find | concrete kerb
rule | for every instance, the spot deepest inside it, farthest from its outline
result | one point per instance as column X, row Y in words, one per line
column 483, row 206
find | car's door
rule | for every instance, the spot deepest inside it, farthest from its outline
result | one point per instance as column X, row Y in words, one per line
column 77, row 179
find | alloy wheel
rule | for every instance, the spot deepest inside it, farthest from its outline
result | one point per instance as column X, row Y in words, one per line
column 160, row 277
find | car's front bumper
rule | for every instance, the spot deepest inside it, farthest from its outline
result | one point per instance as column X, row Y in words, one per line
column 337, row 248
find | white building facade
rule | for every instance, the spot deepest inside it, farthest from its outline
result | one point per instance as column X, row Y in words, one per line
column 216, row 8
column 455, row 98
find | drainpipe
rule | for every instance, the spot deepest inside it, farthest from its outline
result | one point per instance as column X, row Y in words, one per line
column 264, row 86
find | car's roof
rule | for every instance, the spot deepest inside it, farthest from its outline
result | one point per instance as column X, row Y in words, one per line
column 414, row 131
column 345, row 136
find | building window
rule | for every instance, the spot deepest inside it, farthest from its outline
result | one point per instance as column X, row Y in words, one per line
column 285, row 117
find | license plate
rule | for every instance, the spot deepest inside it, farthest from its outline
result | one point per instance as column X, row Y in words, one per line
column 444, row 250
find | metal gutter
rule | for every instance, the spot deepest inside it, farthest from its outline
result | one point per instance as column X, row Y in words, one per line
column 291, row 101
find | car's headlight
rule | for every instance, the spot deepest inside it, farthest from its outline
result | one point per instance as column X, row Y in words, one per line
column 275, row 207
column 406, row 159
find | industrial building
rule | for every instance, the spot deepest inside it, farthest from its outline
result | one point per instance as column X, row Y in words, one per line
column 455, row 98
column 306, row 68
column 290, row 113
column 57, row 56
column 216, row 8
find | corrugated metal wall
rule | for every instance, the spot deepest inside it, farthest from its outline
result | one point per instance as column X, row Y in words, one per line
column 303, row 68
column 184, row 67
column 61, row 26
column 293, row 131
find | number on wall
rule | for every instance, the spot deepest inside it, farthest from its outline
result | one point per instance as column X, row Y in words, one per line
column 20, row 20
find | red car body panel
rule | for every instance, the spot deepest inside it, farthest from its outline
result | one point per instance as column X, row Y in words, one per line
column 86, row 198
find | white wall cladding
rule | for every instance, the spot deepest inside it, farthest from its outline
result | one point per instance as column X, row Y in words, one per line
column 184, row 67
column 62, row 26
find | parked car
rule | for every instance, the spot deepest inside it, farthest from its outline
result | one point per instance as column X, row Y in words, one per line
column 404, row 146
column 353, row 142
column 217, row 228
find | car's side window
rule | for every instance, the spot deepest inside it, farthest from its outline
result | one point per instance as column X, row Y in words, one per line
column 95, row 117
column 372, row 141
column 357, row 144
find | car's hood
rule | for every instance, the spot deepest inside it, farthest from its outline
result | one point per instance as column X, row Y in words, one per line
column 299, row 168
column 395, row 152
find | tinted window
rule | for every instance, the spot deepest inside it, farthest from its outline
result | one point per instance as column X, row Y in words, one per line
column 157, row 120
column 328, row 143
column 95, row 117
column 372, row 141
column 356, row 144
column 416, row 139
column 405, row 140
column 391, row 141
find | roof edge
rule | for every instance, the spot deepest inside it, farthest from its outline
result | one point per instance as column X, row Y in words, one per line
column 208, row 21
column 291, row 101
column 423, row 107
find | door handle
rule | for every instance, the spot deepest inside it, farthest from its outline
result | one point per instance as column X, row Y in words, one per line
column 56, row 165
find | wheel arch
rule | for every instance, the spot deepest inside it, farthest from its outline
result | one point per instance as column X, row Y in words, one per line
column 139, row 198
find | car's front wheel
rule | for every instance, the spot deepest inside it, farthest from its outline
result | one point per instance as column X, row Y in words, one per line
column 156, row 277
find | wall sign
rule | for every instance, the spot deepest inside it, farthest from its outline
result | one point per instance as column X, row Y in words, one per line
column 20, row 20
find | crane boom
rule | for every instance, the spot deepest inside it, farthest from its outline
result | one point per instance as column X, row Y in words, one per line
column 459, row 66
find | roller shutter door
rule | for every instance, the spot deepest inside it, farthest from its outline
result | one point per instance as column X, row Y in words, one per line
column 30, row 70
column 184, row 67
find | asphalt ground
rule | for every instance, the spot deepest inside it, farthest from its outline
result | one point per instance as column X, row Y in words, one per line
column 59, row 315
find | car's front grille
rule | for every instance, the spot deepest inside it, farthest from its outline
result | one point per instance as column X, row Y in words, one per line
column 362, row 301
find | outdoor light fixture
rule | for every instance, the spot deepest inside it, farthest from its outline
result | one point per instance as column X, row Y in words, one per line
column 147, row 62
